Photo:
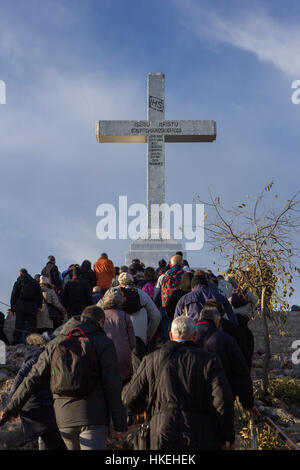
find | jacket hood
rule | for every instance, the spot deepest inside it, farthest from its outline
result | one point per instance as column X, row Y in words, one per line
column 25, row 276
column 87, row 325
column 204, row 327
column 171, row 346
column 72, row 323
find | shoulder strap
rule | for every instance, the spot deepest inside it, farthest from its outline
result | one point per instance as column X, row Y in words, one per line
column 70, row 335
column 161, row 367
column 46, row 302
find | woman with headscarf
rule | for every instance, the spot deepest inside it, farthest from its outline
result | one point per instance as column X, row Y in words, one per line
column 118, row 327
column 87, row 273
column 151, row 279
column 52, row 313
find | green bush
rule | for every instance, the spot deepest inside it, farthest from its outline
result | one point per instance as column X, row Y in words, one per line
column 285, row 387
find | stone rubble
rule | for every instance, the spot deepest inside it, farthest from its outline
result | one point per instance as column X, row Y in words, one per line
column 11, row 434
column 286, row 415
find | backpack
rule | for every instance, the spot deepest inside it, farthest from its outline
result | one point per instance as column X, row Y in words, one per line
column 74, row 366
column 132, row 301
column 170, row 282
column 239, row 298
column 28, row 289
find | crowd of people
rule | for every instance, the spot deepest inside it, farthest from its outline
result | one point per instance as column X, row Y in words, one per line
column 106, row 344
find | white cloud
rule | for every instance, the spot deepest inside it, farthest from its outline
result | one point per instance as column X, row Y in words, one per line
column 255, row 31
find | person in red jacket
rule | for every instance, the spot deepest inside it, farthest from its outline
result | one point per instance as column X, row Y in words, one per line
column 105, row 272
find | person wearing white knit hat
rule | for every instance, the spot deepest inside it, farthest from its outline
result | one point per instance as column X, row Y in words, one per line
column 125, row 279
column 145, row 320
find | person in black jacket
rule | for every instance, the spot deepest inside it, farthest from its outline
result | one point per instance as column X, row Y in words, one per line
column 87, row 273
column 193, row 404
column 50, row 271
column 26, row 299
column 37, row 415
column 83, row 421
column 77, row 294
column 231, row 329
column 226, row 348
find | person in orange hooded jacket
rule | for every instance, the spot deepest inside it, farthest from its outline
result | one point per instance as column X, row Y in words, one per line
column 105, row 272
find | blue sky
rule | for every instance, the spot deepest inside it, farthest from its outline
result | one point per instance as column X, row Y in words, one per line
column 67, row 64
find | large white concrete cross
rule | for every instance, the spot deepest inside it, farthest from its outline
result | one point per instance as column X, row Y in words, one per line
column 155, row 132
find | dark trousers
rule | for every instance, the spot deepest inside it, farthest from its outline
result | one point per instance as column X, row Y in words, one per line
column 165, row 325
column 247, row 339
column 152, row 344
column 138, row 353
column 25, row 324
column 53, row 441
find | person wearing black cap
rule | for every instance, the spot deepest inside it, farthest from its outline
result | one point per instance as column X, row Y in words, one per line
column 50, row 271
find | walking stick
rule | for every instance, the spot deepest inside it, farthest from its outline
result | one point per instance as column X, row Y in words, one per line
column 253, row 434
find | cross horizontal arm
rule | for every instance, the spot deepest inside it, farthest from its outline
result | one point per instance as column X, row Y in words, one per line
column 172, row 131
column 120, row 131
column 190, row 131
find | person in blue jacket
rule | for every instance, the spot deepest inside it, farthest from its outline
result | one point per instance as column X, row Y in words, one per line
column 192, row 303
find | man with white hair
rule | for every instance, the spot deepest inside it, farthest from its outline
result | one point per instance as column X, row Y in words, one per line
column 189, row 392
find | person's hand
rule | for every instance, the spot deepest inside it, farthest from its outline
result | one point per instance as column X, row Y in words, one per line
column 119, row 435
column 253, row 411
column 7, row 418
column 228, row 446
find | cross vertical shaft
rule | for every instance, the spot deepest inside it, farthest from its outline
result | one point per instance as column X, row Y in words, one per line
column 156, row 148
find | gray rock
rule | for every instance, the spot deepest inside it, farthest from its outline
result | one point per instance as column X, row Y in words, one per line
column 276, row 372
column 295, row 411
column 4, row 374
column 284, row 415
column 296, row 369
column 11, row 435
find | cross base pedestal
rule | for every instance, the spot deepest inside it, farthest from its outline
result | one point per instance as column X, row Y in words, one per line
column 153, row 247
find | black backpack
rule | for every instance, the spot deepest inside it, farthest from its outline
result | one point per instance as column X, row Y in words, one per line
column 74, row 366
column 132, row 301
column 28, row 289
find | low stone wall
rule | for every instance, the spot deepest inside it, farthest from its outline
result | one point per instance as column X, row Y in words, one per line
column 281, row 344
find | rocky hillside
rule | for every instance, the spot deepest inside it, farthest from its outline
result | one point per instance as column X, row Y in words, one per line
column 282, row 405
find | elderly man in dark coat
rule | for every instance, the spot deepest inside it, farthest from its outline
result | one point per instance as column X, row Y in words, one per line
column 193, row 405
